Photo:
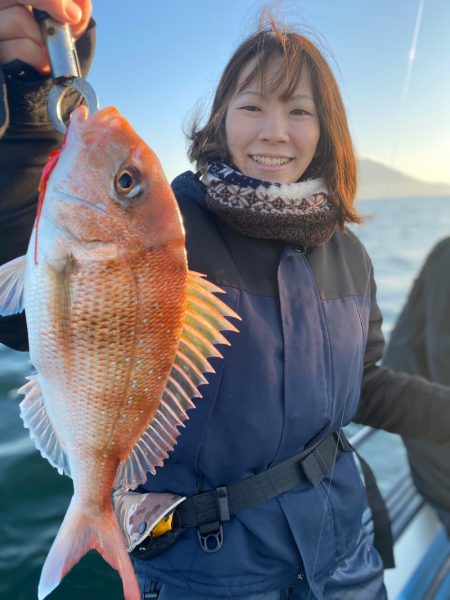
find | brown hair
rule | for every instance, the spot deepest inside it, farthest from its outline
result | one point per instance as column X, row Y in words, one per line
column 335, row 158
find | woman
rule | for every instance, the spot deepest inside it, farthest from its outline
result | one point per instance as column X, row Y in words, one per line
column 264, row 218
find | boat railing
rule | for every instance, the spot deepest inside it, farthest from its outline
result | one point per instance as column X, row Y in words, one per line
column 402, row 499
column 361, row 436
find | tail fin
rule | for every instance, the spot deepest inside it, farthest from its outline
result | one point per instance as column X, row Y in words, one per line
column 77, row 535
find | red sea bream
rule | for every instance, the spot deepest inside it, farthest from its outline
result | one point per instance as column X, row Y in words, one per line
column 119, row 329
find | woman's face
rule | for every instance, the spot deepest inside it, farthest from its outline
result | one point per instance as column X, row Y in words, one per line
column 269, row 138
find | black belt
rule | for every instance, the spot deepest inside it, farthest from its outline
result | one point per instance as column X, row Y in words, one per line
column 206, row 511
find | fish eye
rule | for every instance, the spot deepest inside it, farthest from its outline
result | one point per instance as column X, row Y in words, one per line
column 128, row 182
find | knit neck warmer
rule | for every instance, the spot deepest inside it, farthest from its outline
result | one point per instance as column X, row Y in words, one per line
column 296, row 213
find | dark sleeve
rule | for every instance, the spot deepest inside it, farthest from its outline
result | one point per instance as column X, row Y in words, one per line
column 27, row 138
column 397, row 402
column 420, row 343
column 436, row 277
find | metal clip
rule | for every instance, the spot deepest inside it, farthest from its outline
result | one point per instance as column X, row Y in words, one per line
column 65, row 67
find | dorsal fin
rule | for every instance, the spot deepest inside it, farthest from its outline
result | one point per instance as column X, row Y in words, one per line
column 35, row 418
column 205, row 317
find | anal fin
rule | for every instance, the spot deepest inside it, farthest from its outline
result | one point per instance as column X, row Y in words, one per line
column 35, row 418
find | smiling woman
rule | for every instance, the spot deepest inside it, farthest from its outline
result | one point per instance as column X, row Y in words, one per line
column 278, row 116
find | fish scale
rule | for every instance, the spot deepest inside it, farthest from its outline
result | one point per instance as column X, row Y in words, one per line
column 103, row 333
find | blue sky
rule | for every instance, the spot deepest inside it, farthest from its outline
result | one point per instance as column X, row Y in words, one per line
column 158, row 61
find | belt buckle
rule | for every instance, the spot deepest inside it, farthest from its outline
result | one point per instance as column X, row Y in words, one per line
column 210, row 537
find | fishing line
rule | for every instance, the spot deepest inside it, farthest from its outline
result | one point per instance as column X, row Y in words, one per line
column 406, row 85
column 328, row 491
column 407, row 81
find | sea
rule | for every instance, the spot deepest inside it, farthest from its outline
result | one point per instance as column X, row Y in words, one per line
column 398, row 234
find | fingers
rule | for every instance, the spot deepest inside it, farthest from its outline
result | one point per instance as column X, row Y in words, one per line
column 16, row 23
column 76, row 13
column 20, row 38
column 27, row 51
column 66, row 11
column 20, row 34
column 86, row 12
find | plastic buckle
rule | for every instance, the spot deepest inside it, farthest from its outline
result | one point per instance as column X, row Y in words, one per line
column 222, row 501
column 210, row 537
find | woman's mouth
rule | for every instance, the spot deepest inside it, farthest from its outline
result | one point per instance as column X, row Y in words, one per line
column 270, row 161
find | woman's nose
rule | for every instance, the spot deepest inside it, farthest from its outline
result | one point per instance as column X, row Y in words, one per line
column 274, row 129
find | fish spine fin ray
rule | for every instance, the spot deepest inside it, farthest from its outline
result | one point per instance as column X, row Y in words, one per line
column 205, row 317
column 77, row 535
column 36, row 420
column 12, row 277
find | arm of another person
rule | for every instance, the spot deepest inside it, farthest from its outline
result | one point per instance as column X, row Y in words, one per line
column 27, row 136
column 397, row 402
column 436, row 283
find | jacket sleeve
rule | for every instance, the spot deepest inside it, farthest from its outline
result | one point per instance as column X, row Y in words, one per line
column 436, row 281
column 397, row 402
column 27, row 138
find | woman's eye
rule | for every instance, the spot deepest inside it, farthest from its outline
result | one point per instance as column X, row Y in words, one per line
column 250, row 107
column 128, row 182
column 299, row 111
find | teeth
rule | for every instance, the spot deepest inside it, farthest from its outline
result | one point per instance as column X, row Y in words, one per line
column 270, row 161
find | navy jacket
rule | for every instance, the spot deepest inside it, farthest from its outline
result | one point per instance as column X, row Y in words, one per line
column 308, row 343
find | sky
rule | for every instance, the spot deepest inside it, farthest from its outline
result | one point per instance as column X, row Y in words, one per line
column 159, row 62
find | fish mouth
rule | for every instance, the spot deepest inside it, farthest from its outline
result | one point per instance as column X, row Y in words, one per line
column 82, row 122
column 72, row 199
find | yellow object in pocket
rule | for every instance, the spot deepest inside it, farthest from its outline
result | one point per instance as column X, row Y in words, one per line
column 163, row 526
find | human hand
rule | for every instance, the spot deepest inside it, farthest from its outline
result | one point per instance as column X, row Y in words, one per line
column 20, row 34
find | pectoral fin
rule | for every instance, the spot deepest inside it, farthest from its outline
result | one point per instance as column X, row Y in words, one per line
column 12, row 276
column 205, row 317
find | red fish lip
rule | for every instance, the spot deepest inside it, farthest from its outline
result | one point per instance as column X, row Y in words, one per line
column 79, row 115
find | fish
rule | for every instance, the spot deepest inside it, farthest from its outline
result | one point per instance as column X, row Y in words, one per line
column 120, row 330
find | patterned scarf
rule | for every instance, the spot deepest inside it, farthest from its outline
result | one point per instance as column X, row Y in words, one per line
column 296, row 213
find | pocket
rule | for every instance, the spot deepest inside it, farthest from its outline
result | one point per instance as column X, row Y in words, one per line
column 360, row 575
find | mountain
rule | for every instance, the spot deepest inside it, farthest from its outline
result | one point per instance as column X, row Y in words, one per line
column 376, row 180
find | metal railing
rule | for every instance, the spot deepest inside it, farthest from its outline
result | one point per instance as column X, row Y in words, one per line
column 403, row 501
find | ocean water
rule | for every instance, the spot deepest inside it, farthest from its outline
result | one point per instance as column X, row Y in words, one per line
column 398, row 234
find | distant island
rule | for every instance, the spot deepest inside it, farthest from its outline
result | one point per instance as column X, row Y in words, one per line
column 376, row 180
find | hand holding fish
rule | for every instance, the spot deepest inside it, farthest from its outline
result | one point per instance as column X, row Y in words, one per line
column 20, row 35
